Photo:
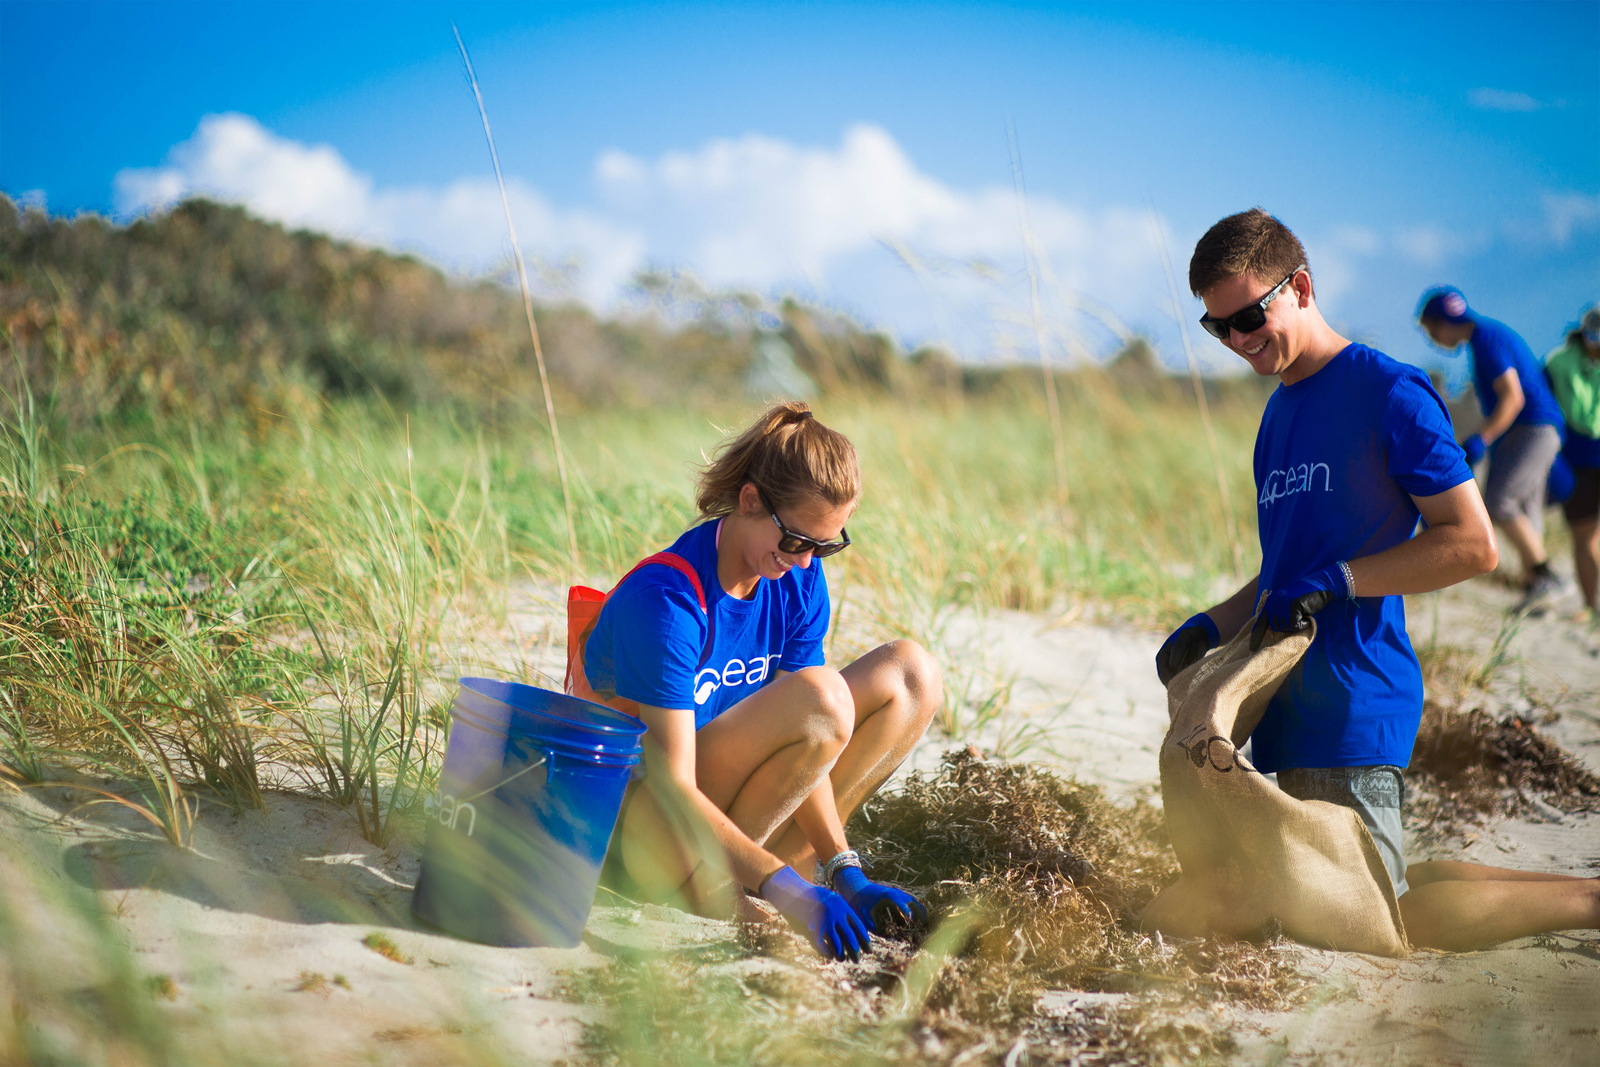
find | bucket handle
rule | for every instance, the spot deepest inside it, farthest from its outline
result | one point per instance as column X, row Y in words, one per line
column 542, row 761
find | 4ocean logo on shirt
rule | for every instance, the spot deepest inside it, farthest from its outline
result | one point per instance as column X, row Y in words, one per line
column 1291, row 480
column 735, row 672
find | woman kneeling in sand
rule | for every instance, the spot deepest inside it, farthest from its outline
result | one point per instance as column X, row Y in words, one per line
column 757, row 753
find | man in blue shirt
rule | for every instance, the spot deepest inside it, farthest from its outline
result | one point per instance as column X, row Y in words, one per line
column 1521, row 430
column 1353, row 448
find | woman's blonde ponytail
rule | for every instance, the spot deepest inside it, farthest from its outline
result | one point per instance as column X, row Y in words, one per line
column 788, row 455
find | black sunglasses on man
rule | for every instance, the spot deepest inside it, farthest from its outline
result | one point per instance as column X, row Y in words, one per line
column 794, row 543
column 1249, row 318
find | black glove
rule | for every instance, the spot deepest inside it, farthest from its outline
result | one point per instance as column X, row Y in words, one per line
column 1289, row 610
column 1188, row 643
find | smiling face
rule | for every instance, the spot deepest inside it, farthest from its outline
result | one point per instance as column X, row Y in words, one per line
column 749, row 547
column 813, row 517
column 1272, row 349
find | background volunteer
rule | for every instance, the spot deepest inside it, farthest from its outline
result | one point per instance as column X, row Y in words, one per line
column 1521, row 430
column 1574, row 373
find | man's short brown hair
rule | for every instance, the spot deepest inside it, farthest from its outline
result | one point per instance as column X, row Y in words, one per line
column 1251, row 242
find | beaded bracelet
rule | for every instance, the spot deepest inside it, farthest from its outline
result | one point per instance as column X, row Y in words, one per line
column 826, row 871
column 1349, row 580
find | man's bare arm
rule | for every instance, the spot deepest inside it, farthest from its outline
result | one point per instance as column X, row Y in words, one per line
column 1232, row 614
column 1458, row 544
column 1508, row 404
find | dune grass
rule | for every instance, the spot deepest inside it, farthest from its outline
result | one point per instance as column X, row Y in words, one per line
column 197, row 607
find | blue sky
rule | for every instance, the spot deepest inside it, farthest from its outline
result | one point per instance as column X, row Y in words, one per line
column 816, row 148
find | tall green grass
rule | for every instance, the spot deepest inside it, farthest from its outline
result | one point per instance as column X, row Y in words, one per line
column 211, row 610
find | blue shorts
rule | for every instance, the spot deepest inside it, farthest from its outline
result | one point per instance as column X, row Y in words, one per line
column 1374, row 793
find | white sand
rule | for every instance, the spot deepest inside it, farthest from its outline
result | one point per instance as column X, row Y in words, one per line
column 269, row 897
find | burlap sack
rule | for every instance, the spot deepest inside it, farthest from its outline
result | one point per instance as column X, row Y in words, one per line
column 1251, row 853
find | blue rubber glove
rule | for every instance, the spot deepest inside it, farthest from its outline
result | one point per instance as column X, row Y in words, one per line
column 1289, row 610
column 823, row 914
column 874, row 903
column 1474, row 448
column 1188, row 643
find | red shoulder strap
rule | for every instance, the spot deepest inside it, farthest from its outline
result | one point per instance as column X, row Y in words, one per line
column 583, row 611
column 677, row 563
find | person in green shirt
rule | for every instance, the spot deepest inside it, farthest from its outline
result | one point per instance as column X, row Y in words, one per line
column 1574, row 373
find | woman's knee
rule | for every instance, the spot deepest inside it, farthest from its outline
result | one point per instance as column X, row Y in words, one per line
column 1502, row 509
column 830, row 709
column 919, row 674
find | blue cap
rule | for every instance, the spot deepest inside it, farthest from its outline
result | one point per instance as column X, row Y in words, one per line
column 1444, row 302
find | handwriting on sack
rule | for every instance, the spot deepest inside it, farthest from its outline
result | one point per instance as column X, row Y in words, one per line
column 1291, row 480
column 450, row 811
column 1215, row 750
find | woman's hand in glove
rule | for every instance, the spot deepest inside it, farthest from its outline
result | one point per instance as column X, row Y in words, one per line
column 877, row 904
column 830, row 922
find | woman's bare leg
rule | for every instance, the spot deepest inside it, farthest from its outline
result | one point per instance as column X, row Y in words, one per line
column 757, row 761
column 1586, row 560
column 895, row 688
column 1470, row 912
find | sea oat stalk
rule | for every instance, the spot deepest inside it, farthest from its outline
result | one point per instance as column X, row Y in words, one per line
column 1030, row 252
column 1200, row 397
column 527, row 302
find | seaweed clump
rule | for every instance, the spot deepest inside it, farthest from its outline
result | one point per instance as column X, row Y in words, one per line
column 1050, row 875
column 1032, row 880
column 1468, row 765
column 1052, row 864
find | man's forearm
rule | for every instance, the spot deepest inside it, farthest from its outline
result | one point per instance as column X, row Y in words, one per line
column 1231, row 615
column 1509, row 401
column 1439, row 556
column 1499, row 422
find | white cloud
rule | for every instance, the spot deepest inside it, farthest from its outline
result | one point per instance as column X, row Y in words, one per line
column 232, row 158
column 1362, row 240
column 1422, row 244
column 1432, row 245
column 1566, row 212
column 762, row 213
column 753, row 212
column 1501, row 100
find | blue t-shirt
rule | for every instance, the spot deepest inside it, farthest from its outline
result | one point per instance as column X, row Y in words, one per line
column 1497, row 348
column 649, row 643
column 1338, row 458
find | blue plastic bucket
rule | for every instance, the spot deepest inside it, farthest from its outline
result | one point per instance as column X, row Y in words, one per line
column 528, row 798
